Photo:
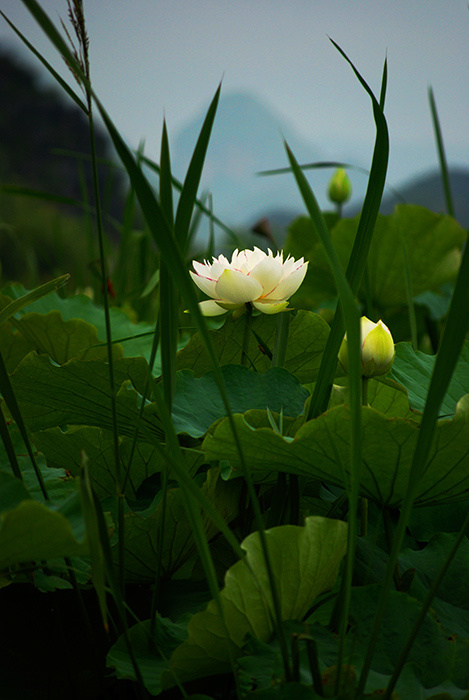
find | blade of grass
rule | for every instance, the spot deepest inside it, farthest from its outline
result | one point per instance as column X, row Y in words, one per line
column 92, row 532
column 451, row 344
column 410, row 299
column 357, row 263
column 6, row 390
column 199, row 203
column 41, row 291
column 53, row 72
column 192, row 180
column 167, row 288
column 441, row 154
column 9, row 449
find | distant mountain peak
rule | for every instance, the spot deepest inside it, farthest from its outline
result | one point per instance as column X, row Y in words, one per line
column 247, row 137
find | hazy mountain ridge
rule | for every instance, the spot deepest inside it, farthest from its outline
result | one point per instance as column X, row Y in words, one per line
column 247, row 138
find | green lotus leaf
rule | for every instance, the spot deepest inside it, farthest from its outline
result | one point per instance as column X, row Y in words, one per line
column 78, row 393
column 321, row 450
column 198, row 403
column 413, row 370
column 307, row 338
column 62, row 340
column 63, row 449
column 33, row 532
column 179, row 546
column 139, row 336
column 305, row 562
column 432, row 243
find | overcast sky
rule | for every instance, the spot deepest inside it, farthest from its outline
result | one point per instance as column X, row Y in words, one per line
column 166, row 57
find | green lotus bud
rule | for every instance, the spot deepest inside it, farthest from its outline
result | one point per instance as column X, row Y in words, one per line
column 340, row 187
column 377, row 349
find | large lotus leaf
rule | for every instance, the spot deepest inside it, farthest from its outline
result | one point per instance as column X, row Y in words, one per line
column 386, row 396
column 432, row 243
column 433, row 656
column 13, row 346
column 78, row 393
column 451, row 604
column 198, row 403
column 151, row 651
column 307, row 338
column 321, row 450
column 413, row 370
column 305, row 562
column 62, row 340
column 63, row 449
column 80, row 306
column 33, row 532
column 179, row 545
column 57, row 482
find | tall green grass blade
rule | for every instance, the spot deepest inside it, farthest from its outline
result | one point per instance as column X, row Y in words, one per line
column 168, row 291
column 453, row 337
column 441, row 154
column 34, row 295
column 211, row 231
column 59, row 199
column 9, row 448
column 41, row 194
column 410, row 300
column 191, row 183
column 6, row 390
column 357, row 263
column 92, row 531
column 198, row 202
column 51, row 70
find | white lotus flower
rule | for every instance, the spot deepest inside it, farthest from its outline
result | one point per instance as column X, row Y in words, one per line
column 264, row 280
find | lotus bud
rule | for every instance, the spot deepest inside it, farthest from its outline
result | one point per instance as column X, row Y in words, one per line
column 340, row 187
column 377, row 349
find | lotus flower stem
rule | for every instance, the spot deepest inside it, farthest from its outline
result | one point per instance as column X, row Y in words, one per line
column 281, row 339
column 365, row 381
column 247, row 331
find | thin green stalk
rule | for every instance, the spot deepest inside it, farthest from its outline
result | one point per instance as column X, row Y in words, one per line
column 410, row 299
column 6, row 390
column 281, row 339
column 365, row 384
column 9, row 449
column 424, row 609
column 107, row 321
column 312, row 653
column 363, row 507
column 276, row 513
column 441, row 155
column 358, row 257
column 247, row 332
